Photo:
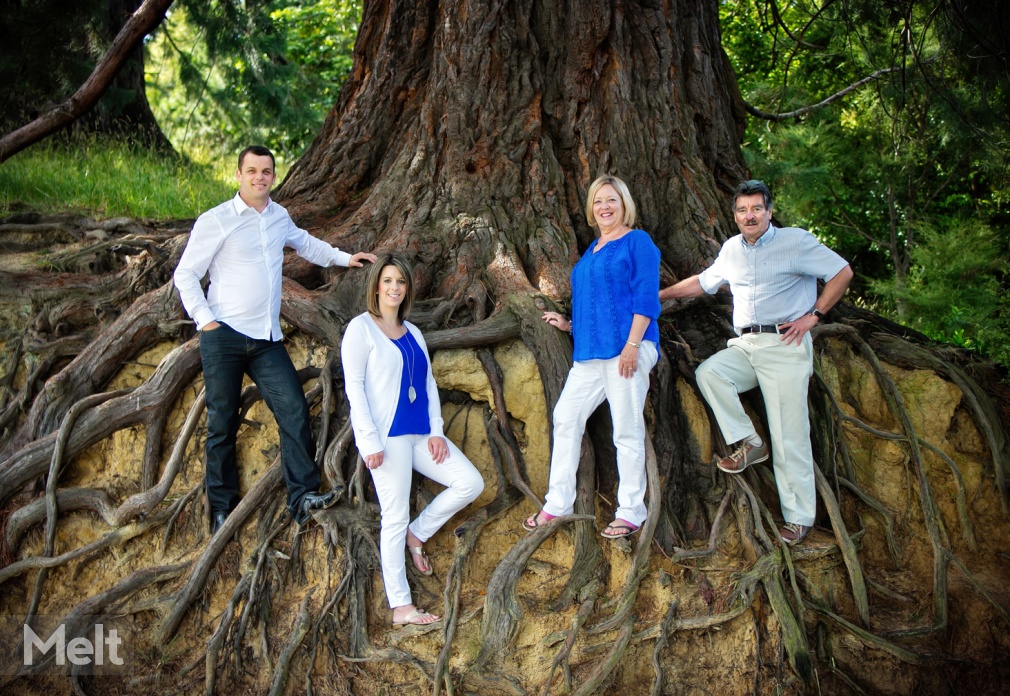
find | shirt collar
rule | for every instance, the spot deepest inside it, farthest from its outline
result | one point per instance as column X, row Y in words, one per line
column 241, row 207
column 766, row 238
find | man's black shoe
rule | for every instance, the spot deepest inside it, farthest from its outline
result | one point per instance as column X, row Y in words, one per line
column 315, row 501
column 218, row 521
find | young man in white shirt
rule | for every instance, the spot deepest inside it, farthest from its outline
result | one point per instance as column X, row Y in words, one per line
column 772, row 273
column 240, row 243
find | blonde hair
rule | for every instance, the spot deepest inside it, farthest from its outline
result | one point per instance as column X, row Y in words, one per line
column 372, row 284
column 630, row 211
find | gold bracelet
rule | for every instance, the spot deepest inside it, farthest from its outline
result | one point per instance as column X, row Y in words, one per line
column 632, row 343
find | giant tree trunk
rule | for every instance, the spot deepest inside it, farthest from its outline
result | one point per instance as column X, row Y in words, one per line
column 467, row 137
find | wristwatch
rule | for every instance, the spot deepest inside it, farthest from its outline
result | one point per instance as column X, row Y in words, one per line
column 817, row 313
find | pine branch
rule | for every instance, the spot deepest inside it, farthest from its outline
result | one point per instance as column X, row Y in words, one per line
column 754, row 111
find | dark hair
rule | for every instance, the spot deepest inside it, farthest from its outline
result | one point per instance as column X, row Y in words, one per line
column 399, row 262
column 257, row 150
column 750, row 187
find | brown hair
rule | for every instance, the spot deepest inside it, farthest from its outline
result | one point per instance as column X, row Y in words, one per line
column 401, row 263
column 257, row 150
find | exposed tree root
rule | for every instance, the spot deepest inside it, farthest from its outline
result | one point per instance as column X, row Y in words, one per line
column 67, row 500
column 302, row 624
column 174, row 373
column 113, row 538
column 467, row 535
column 187, row 594
column 683, row 496
column 501, row 609
column 81, row 618
column 564, row 655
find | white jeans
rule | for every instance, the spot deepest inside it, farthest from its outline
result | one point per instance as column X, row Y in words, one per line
column 783, row 373
column 589, row 383
column 392, row 484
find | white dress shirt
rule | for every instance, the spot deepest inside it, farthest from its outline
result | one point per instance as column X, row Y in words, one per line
column 373, row 369
column 243, row 250
column 775, row 279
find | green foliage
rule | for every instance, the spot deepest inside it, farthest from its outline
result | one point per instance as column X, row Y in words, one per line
column 954, row 291
column 106, row 178
column 232, row 73
column 886, row 173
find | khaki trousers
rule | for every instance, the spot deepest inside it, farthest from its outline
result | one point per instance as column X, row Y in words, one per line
column 783, row 373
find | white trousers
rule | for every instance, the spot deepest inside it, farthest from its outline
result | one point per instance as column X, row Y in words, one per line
column 589, row 383
column 401, row 455
column 783, row 373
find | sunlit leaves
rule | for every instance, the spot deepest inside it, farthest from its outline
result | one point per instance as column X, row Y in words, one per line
column 231, row 72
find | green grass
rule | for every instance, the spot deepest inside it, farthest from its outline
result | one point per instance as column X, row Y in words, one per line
column 104, row 178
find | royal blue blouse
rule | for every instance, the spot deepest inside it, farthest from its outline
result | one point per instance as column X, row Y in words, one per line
column 609, row 287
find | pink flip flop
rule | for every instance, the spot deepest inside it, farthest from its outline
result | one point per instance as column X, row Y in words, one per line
column 622, row 527
column 531, row 523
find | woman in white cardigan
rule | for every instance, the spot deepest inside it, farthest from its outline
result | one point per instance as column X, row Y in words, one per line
column 397, row 422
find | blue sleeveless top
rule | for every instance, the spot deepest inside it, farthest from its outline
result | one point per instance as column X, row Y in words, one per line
column 411, row 418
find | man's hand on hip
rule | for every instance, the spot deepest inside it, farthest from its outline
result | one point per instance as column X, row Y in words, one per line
column 794, row 330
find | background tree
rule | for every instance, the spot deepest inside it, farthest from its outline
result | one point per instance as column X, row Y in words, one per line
column 466, row 136
column 50, row 49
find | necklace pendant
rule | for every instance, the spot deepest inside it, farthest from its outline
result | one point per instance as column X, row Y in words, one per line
column 411, row 394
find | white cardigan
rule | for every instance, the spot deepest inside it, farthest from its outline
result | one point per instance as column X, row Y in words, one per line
column 373, row 369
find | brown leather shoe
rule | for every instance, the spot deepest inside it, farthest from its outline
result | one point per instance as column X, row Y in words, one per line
column 793, row 533
column 745, row 455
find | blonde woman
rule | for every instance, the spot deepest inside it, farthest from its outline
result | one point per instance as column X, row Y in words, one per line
column 615, row 305
column 397, row 423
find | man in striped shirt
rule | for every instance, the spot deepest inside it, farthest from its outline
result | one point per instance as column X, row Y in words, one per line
column 772, row 274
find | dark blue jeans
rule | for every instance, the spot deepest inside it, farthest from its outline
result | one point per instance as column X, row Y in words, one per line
column 227, row 355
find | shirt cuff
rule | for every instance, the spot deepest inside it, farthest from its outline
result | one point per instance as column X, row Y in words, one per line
column 202, row 317
column 340, row 258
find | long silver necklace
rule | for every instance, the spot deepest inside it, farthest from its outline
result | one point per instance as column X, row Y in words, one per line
column 411, row 394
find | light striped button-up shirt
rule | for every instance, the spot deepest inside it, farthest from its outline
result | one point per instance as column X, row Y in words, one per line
column 775, row 280
column 243, row 251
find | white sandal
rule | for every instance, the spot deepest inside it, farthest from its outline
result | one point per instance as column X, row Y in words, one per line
column 418, row 552
column 409, row 619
